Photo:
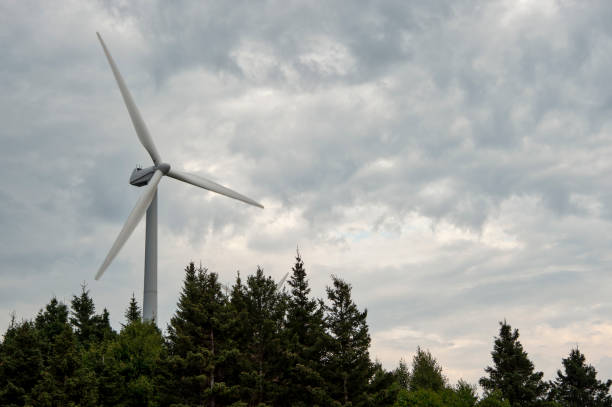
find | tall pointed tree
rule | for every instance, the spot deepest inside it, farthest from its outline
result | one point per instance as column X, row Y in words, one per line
column 305, row 340
column 578, row 386
column 82, row 319
column 197, row 338
column 513, row 373
column 347, row 365
column 261, row 321
column 133, row 312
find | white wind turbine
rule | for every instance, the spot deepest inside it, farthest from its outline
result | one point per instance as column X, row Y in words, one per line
column 147, row 202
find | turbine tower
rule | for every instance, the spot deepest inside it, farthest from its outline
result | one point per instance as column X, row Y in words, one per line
column 149, row 178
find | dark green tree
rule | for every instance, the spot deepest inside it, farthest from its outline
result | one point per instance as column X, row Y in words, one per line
column 133, row 312
column 466, row 393
column 426, row 372
column 579, row 386
column 88, row 326
column 21, row 363
column 198, row 342
column 382, row 389
column 402, row 374
column 82, row 319
column 64, row 380
column 305, row 341
column 513, row 373
column 493, row 399
column 347, row 361
column 133, row 358
column 261, row 319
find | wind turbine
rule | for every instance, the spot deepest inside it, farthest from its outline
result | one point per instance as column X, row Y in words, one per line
column 147, row 202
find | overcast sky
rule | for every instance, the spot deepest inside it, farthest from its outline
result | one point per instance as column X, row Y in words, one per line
column 449, row 159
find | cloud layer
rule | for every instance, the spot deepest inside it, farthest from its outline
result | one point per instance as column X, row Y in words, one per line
column 450, row 160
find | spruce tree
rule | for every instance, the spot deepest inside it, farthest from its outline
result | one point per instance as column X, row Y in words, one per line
column 347, row 362
column 261, row 321
column 579, row 386
column 198, row 341
column 133, row 313
column 402, row 374
column 513, row 373
column 426, row 372
column 82, row 319
column 64, row 379
column 305, row 340
column 21, row 363
column 133, row 358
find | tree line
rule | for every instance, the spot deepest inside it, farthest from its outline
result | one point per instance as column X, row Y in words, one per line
column 256, row 344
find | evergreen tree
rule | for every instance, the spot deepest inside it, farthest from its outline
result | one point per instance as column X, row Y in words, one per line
column 198, row 341
column 83, row 316
column 466, row 393
column 347, row 362
column 426, row 372
column 402, row 374
column 383, row 388
column 133, row 313
column 133, row 358
column 261, row 321
column 21, row 363
column 305, row 339
column 512, row 373
column 579, row 386
column 63, row 378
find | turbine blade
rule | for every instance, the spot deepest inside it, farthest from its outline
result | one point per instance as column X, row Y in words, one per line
column 211, row 186
column 282, row 280
column 139, row 124
column 132, row 221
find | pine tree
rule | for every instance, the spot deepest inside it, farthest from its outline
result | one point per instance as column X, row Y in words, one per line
column 579, row 386
column 261, row 309
column 82, row 319
column 133, row 358
column 133, row 313
column 347, row 364
column 198, row 341
column 21, row 363
column 402, row 374
column 305, row 339
column 383, row 388
column 63, row 378
column 426, row 372
column 512, row 373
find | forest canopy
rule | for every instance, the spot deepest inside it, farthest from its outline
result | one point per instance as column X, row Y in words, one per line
column 256, row 344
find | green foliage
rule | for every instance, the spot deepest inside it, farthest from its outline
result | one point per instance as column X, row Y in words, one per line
column 261, row 309
column 426, row 372
column 347, row 362
column 512, row 373
column 198, row 341
column 89, row 328
column 383, row 388
column 305, row 338
column 257, row 347
column 21, row 363
column 402, row 374
column 466, row 393
column 133, row 313
column 494, row 399
column 133, row 358
column 579, row 386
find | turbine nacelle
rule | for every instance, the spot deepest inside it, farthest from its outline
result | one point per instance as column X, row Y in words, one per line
column 141, row 176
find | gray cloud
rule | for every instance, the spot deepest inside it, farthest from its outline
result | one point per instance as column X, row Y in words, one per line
column 448, row 159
